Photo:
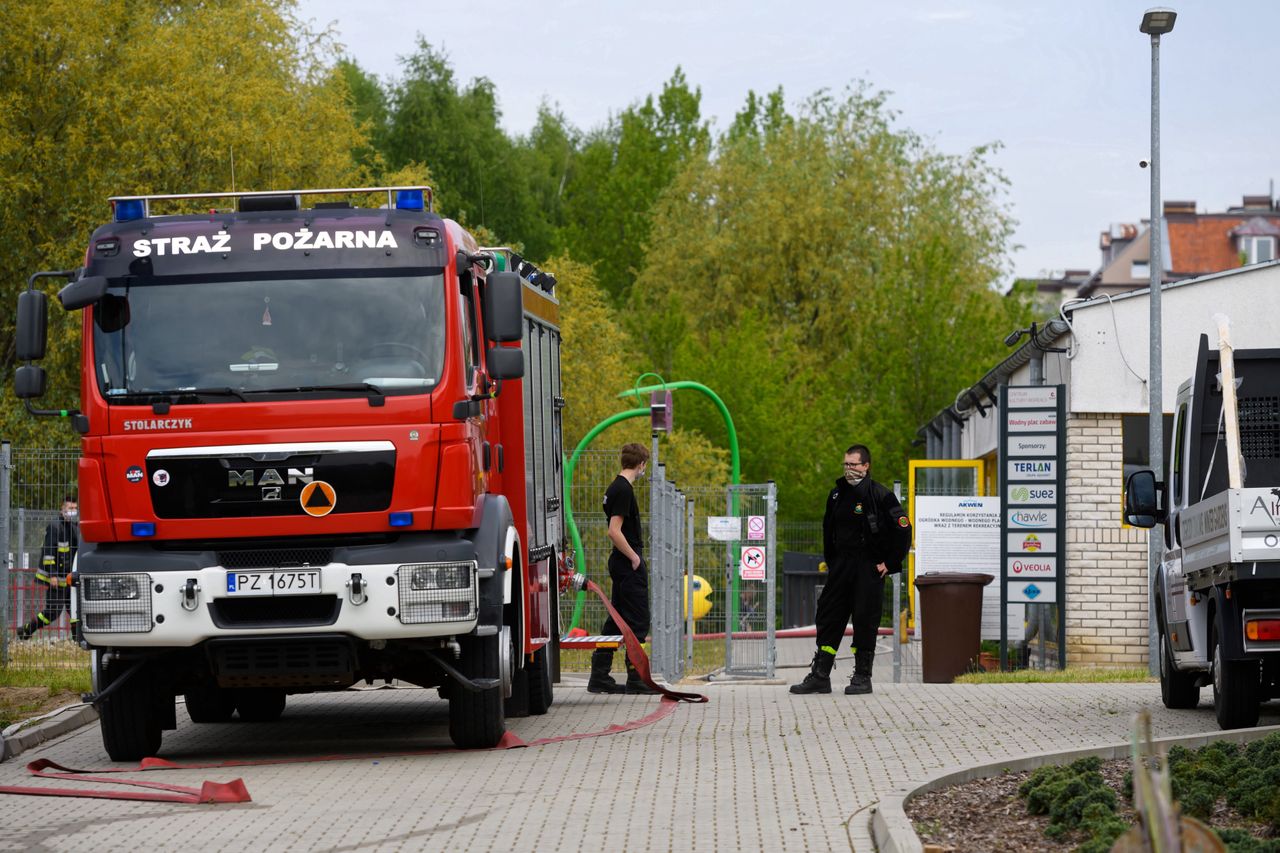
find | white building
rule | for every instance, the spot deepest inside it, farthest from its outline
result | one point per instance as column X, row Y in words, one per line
column 1105, row 371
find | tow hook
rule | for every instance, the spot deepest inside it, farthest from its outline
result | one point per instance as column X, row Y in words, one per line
column 190, row 595
column 357, row 588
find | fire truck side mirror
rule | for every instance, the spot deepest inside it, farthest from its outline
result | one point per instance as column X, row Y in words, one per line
column 33, row 325
column 503, row 307
column 29, row 382
column 505, row 363
column 83, row 293
column 1142, row 499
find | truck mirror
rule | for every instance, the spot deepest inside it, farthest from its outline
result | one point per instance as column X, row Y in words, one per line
column 503, row 307
column 1141, row 499
column 33, row 325
column 83, row 293
column 505, row 363
column 29, row 382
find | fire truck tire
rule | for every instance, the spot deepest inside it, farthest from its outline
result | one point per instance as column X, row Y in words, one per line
column 477, row 719
column 260, row 704
column 1236, row 696
column 540, row 689
column 130, row 718
column 210, row 703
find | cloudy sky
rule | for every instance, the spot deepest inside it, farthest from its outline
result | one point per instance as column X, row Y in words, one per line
column 1065, row 87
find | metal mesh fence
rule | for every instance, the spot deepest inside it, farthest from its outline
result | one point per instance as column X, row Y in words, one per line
column 35, row 482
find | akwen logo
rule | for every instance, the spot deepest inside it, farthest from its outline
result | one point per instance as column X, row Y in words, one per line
column 971, row 503
column 1021, row 493
column 1031, row 543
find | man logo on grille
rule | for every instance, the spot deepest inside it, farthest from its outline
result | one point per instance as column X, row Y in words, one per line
column 318, row 498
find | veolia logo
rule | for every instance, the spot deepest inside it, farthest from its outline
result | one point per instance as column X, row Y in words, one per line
column 1030, row 566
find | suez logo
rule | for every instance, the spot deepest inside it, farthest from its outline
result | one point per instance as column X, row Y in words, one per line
column 1031, row 494
column 303, row 238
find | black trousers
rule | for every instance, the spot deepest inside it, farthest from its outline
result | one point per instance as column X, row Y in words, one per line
column 630, row 596
column 56, row 600
column 854, row 588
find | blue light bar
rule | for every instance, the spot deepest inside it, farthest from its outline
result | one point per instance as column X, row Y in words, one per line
column 130, row 209
column 144, row 528
column 400, row 519
column 409, row 200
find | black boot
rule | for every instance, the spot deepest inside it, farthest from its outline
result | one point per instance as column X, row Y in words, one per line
column 636, row 685
column 861, row 681
column 819, row 678
column 601, row 681
column 27, row 631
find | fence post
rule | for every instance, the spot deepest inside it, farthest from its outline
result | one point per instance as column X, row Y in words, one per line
column 5, row 468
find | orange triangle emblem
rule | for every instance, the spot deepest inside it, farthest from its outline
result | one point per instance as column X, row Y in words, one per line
column 318, row 498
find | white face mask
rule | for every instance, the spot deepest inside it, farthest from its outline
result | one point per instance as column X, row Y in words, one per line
column 71, row 514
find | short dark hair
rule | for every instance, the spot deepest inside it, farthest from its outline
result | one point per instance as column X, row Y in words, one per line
column 860, row 449
column 69, row 499
column 632, row 455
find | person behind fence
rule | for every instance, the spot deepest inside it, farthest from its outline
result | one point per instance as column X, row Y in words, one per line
column 57, row 554
column 865, row 536
column 627, row 571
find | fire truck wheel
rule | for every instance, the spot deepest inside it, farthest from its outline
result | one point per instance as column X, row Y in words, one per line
column 1235, row 690
column 1177, row 689
column 540, row 689
column 477, row 719
column 210, row 703
column 260, row 704
column 129, row 717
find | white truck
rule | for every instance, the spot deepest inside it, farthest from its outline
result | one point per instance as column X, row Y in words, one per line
column 1217, row 593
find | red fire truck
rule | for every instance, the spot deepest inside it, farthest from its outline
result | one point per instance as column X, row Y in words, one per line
column 320, row 445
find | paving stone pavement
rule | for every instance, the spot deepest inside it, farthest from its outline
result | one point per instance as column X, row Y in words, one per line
column 753, row 769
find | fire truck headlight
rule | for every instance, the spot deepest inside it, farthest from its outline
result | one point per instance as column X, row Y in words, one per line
column 115, row 603
column 438, row 592
column 110, row 587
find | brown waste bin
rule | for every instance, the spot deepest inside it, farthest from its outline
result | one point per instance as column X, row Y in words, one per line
column 951, row 610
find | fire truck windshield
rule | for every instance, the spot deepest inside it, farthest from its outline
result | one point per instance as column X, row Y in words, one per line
column 220, row 341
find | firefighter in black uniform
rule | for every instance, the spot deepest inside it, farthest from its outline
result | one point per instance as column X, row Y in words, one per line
column 627, row 571
column 865, row 536
column 61, row 539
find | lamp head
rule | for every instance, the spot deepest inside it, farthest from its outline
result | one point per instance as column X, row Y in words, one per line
column 1158, row 21
column 1014, row 336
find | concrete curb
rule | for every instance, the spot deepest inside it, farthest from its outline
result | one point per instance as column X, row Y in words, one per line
column 59, row 723
column 892, row 829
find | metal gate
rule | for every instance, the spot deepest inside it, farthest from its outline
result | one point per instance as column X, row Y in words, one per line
column 750, row 577
column 670, row 520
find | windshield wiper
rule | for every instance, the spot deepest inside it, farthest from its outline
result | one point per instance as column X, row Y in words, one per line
column 345, row 386
column 177, row 395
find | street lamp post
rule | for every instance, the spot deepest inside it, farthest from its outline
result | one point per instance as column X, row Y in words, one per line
column 1155, row 23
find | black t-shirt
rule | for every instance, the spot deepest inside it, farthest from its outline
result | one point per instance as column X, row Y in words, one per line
column 620, row 499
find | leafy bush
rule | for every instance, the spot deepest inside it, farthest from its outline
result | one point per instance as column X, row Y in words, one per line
column 1065, row 793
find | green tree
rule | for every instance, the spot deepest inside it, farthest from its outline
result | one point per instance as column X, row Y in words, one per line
column 369, row 106
column 621, row 171
column 122, row 98
column 831, row 276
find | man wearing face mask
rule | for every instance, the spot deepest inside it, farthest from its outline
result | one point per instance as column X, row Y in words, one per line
column 865, row 536
column 61, row 539
column 627, row 572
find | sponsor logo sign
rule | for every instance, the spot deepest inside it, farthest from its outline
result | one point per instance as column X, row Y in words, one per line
column 1033, row 592
column 1024, row 397
column 1032, row 542
column 1033, row 445
column 1031, row 567
column 1032, row 518
column 1032, row 421
column 1033, row 493
column 1033, row 469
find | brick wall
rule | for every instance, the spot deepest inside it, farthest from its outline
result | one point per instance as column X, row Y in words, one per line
column 1106, row 612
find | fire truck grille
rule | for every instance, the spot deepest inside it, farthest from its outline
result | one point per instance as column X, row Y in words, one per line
column 276, row 558
column 1260, row 427
column 281, row 611
column 296, row 664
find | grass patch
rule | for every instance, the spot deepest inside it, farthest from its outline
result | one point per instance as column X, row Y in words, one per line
column 708, row 656
column 1070, row 675
column 57, row 680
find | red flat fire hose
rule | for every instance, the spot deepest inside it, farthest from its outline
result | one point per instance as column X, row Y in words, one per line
column 235, row 790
